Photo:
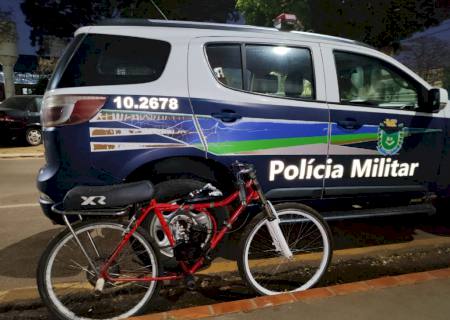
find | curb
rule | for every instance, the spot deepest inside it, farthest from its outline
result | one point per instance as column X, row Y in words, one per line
column 30, row 293
column 21, row 155
column 286, row 298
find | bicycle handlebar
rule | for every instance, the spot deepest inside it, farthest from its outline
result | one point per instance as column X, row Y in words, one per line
column 242, row 169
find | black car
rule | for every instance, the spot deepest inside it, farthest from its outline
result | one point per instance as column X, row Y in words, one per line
column 20, row 119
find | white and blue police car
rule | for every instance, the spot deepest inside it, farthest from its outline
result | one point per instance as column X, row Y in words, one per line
column 327, row 121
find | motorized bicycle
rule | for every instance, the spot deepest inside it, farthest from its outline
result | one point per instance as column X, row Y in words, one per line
column 106, row 269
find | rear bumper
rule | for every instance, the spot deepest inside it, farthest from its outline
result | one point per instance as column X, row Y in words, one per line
column 46, row 207
column 67, row 165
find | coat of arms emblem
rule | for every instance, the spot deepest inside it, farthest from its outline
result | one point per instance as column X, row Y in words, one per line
column 390, row 137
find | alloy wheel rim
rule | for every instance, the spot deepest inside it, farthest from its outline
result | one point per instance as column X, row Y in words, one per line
column 34, row 137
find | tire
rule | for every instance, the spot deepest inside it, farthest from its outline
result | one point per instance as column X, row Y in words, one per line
column 85, row 304
column 33, row 136
column 257, row 265
column 168, row 191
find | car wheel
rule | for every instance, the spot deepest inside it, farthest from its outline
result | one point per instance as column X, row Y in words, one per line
column 33, row 136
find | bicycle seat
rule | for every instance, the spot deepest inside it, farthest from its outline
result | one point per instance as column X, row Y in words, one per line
column 107, row 197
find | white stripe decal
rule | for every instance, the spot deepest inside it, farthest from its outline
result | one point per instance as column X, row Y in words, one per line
column 122, row 146
column 120, row 132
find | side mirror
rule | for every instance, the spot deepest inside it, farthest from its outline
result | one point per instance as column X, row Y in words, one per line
column 437, row 99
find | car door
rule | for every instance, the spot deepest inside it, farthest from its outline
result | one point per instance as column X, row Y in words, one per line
column 33, row 111
column 385, row 140
column 262, row 101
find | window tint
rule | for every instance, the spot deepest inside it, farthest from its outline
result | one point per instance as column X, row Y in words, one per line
column 225, row 61
column 109, row 60
column 370, row 81
column 16, row 103
column 35, row 105
column 274, row 70
column 281, row 71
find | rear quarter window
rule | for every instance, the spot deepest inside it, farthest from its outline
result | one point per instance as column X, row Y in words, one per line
column 16, row 103
column 112, row 60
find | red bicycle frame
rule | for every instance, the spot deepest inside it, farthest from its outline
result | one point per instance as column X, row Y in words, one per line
column 159, row 209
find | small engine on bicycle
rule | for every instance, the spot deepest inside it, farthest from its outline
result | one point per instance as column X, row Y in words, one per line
column 189, row 240
column 192, row 230
column 112, row 255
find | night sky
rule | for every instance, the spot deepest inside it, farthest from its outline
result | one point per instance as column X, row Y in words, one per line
column 442, row 31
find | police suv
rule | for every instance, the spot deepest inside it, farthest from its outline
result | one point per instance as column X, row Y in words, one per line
column 326, row 121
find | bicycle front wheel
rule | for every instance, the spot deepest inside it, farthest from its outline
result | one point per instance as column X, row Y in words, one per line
column 66, row 281
column 266, row 270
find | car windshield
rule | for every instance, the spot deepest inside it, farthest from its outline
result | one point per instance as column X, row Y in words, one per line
column 15, row 103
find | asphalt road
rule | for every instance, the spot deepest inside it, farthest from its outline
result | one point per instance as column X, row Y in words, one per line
column 25, row 231
column 18, row 177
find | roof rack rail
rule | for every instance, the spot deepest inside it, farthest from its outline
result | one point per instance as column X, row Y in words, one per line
column 216, row 26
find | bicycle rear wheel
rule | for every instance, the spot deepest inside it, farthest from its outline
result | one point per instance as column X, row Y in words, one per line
column 266, row 270
column 66, row 281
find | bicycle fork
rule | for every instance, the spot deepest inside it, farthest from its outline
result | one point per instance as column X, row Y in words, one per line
column 273, row 225
column 273, row 222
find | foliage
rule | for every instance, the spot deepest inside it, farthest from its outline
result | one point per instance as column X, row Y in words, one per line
column 379, row 23
column 61, row 18
column 262, row 12
column 446, row 80
column 425, row 55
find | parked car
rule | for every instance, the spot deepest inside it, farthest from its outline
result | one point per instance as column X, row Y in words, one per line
column 20, row 119
column 328, row 122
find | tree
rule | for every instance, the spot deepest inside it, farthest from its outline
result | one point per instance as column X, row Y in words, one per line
column 446, row 81
column 262, row 12
column 427, row 56
column 379, row 23
column 61, row 18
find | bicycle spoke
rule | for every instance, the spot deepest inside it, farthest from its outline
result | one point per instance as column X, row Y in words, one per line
column 73, row 282
column 269, row 271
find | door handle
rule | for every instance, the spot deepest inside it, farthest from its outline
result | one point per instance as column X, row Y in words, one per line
column 349, row 124
column 226, row 115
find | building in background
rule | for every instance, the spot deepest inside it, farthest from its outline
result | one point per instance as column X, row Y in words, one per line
column 25, row 71
column 26, row 75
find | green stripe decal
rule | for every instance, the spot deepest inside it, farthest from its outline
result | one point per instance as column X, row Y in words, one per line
column 252, row 145
column 353, row 138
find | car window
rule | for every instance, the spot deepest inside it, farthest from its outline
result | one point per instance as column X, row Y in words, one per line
column 35, row 105
column 109, row 59
column 16, row 103
column 38, row 102
column 280, row 71
column 373, row 82
column 226, row 63
column 273, row 70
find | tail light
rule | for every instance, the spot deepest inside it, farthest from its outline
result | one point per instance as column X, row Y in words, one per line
column 4, row 117
column 60, row 110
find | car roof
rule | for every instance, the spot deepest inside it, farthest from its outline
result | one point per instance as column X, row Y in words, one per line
column 295, row 35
